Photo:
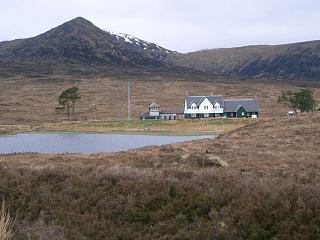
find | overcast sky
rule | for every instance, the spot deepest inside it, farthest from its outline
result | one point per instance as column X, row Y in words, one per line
column 182, row 25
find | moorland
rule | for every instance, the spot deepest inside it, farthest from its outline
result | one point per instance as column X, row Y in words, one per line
column 258, row 180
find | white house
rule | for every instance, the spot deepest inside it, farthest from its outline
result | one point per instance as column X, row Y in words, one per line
column 203, row 106
column 216, row 106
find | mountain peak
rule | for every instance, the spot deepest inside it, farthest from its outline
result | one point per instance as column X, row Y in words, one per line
column 79, row 20
column 79, row 41
column 79, row 25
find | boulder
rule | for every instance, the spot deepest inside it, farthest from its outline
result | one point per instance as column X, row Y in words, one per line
column 211, row 160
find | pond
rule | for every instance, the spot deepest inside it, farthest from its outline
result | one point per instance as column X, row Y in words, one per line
column 86, row 143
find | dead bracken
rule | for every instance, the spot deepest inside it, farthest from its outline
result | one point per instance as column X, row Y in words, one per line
column 165, row 190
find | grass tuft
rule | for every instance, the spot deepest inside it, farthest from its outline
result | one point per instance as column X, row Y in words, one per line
column 6, row 223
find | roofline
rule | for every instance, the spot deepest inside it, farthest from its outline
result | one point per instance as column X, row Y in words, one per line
column 240, row 106
column 154, row 103
column 205, row 96
column 239, row 99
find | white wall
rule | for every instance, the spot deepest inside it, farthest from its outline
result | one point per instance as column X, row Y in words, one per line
column 190, row 111
column 202, row 109
column 217, row 108
column 154, row 113
column 205, row 103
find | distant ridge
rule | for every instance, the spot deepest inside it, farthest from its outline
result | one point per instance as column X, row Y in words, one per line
column 79, row 47
column 297, row 60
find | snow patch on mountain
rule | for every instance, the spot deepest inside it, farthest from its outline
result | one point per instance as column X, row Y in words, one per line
column 145, row 45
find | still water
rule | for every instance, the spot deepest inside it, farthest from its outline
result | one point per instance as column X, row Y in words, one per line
column 84, row 142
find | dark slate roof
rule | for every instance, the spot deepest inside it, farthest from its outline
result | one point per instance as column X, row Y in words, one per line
column 233, row 105
column 146, row 115
column 199, row 99
column 177, row 111
column 154, row 105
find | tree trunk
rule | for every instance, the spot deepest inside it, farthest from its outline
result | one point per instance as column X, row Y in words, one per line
column 68, row 110
column 73, row 109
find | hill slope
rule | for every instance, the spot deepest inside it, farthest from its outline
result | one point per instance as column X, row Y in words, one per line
column 80, row 47
column 298, row 60
column 80, row 42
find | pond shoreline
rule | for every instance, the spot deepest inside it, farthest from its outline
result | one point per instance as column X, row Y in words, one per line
column 175, row 128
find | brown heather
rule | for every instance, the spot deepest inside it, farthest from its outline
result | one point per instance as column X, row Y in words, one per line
column 32, row 100
column 270, row 189
column 6, row 223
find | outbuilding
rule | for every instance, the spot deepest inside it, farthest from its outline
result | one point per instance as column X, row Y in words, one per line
column 155, row 113
column 171, row 114
column 241, row 108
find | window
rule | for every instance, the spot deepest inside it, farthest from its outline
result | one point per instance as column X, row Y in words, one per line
column 206, row 115
column 206, row 107
column 242, row 113
column 193, row 115
column 193, row 107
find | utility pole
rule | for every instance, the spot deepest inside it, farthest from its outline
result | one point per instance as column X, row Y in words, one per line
column 94, row 110
column 129, row 102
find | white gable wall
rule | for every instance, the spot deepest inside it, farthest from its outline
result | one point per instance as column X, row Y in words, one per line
column 191, row 110
column 203, row 108
column 185, row 106
column 205, row 103
column 217, row 108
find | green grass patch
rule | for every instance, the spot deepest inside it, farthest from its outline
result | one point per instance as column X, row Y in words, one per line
column 129, row 123
column 220, row 121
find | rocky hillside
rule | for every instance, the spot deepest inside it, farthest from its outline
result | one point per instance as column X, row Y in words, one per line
column 298, row 60
column 80, row 47
column 78, row 42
